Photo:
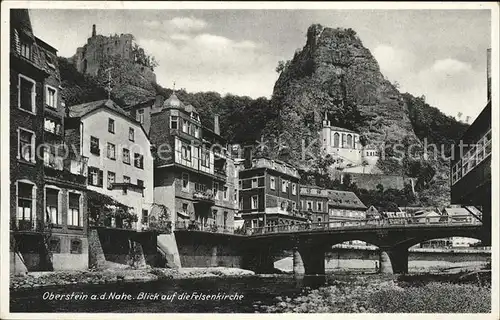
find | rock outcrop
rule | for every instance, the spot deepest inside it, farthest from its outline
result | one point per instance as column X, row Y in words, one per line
column 335, row 74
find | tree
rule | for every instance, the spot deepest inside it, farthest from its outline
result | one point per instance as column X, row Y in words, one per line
column 282, row 65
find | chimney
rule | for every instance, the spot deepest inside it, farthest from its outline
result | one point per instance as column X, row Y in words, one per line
column 248, row 156
column 488, row 73
column 216, row 124
column 93, row 30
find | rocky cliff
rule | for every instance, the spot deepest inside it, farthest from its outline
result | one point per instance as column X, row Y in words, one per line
column 335, row 74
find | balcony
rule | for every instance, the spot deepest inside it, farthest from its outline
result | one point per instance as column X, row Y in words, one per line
column 204, row 196
column 68, row 170
column 29, row 225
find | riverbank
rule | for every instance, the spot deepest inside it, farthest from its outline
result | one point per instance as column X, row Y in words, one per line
column 62, row 278
column 387, row 294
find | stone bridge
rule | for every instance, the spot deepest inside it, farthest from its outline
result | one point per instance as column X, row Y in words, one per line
column 393, row 236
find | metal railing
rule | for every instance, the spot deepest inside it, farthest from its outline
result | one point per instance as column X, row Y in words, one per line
column 198, row 226
column 366, row 223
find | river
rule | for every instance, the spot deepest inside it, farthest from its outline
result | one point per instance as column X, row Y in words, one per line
column 255, row 291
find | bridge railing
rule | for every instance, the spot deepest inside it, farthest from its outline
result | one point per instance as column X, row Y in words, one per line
column 375, row 223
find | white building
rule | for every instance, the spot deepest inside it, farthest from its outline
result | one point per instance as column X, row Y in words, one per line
column 120, row 164
column 345, row 147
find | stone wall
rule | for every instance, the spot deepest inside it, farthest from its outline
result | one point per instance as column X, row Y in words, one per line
column 202, row 249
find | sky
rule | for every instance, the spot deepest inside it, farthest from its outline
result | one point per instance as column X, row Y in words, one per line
column 437, row 53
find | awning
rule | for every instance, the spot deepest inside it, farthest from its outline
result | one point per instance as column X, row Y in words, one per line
column 183, row 215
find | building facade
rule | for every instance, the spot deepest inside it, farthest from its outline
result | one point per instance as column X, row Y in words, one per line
column 470, row 175
column 344, row 206
column 314, row 203
column 48, row 212
column 120, row 164
column 345, row 147
column 193, row 170
column 269, row 194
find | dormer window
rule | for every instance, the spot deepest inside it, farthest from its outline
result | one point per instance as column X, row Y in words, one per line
column 195, row 116
column 25, row 49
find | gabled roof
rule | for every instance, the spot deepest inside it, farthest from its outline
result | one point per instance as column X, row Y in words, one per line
column 20, row 27
column 346, row 199
column 342, row 129
column 81, row 110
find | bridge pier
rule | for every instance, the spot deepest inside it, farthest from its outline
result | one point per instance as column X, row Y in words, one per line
column 309, row 261
column 399, row 260
column 298, row 263
column 393, row 260
column 385, row 263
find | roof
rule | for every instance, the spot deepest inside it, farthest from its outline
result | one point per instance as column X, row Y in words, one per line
column 81, row 110
column 20, row 25
column 342, row 129
column 173, row 102
column 460, row 211
column 346, row 199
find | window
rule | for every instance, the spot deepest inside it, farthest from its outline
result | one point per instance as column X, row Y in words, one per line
column 25, row 49
column 111, row 151
column 294, row 205
column 273, row 183
column 173, row 122
column 185, row 181
column 111, row 179
column 111, row 125
column 138, row 161
column 216, row 190
column 145, row 216
column 309, row 205
column 26, row 145
column 94, row 145
column 25, row 201
column 140, row 116
column 185, row 126
column 225, row 219
column 126, row 156
column 95, row 177
column 52, row 206
column 140, row 184
column 284, row 186
column 254, row 183
column 185, row 208
column 196, row 131
column 126, row 179
column 26, row 94
column 235, row 195
column 51, row 126
column 205, row 158
column 241, row 204
column 186, row 152
column 225, row 193
column 131, row 134
column 255, row 202
column 55, row 245
column 74, row 216
column 294, row 189
column 319, row 205
column 51, row 97
column 76, row 246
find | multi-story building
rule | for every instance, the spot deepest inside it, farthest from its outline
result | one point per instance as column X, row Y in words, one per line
column 48, row 195
column 345, row 205
column 269, row 193
column 314, row 203
column 193, row 169
column 120, row 164
column 470, row 175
